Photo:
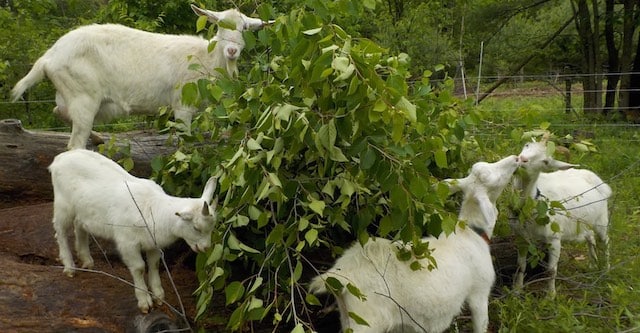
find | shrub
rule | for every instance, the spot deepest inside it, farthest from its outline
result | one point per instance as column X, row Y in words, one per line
column 321, row 142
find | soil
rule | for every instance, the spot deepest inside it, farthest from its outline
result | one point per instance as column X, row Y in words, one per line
column 35, row 296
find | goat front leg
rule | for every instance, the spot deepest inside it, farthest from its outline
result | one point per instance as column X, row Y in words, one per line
column 479, row 306
column 555, row 246
column 155, row 284
column 185, row 115
column 133, row 260
column 518, row 281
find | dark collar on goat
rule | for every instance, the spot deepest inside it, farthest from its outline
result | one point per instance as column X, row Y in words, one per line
column 539, row 194
column 482, row 233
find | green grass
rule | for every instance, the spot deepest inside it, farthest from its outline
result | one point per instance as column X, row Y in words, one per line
column 588, row 300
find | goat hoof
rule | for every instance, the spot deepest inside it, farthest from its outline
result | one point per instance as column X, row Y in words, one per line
column 145, row 304
column 70, row 272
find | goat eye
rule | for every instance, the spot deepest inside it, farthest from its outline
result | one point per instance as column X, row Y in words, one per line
column 195, row 227
column 546, row 162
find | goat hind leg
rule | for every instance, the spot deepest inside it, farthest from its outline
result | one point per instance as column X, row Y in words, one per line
column 82, row 113
column 62, row 221
column 82, row 247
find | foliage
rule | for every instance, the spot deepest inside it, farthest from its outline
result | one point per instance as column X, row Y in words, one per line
column 321, row 142
column 159, row 16
column 29, row 28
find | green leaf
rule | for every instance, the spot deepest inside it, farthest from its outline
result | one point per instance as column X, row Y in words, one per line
column 252, row 144
column 190, row 93
column 370, row 4
column 312, row 299
column 256, row 284
column 353, row 290
column 276, row 235
column 334, row 284
column 298, row 329
column 311, row 236
column 551, row 148
column 297, row 272
column 127, row 163
column 274, row 180
column 359, row 320
column 441, row 158
column 335, row 154
column 317, row 206
column 233, row 292
column 368, row 159
column 201, row 23
column 312, row 32
column 408, row 108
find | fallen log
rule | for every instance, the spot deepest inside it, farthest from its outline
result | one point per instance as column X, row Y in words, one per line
column 25, row 156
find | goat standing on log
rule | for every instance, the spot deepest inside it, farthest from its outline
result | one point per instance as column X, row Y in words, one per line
column 101, row 72
column 94, row 195
column 398, row 297
column 584, row 198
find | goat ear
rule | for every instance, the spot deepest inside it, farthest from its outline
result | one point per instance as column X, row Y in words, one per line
column 251, row 23
column 559, row 165
column 487, row 209
column 205, row 209
column 213, row 17
column 209, row 189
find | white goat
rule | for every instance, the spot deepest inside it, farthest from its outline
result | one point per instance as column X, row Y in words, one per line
column 584, row 197
column 101, row 72
column 427, row 300
column 96, row 196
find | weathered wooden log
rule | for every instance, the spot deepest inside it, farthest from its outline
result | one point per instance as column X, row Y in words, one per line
column 25, row 156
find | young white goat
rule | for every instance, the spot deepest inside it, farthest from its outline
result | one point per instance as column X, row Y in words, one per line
column 94, row 195
column 106, row 71
column 427, row 300
column 584, row 197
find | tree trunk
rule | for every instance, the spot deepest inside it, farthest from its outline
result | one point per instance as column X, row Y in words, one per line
column 626, row 58
column 632, row 112
column 25, row 156
column 614, row 62
column 591, row 82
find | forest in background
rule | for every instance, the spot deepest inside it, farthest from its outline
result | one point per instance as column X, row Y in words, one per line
column 594, row 43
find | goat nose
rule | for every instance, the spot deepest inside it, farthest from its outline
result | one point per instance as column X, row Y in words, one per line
column 232, row 51
column 523, row 159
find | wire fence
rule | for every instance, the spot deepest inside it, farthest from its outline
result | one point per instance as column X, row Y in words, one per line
column 560, row 92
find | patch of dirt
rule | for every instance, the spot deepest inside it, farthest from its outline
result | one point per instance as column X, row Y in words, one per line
column 35, row 296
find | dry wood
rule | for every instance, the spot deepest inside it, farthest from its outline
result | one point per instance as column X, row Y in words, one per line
column 25, row 156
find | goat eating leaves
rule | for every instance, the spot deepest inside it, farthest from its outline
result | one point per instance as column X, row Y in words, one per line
column 94, row 195
column 393, row 297
column 101, row 72
column 584, row 216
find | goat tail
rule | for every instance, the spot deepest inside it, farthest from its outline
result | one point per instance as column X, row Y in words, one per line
column 35, row 75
